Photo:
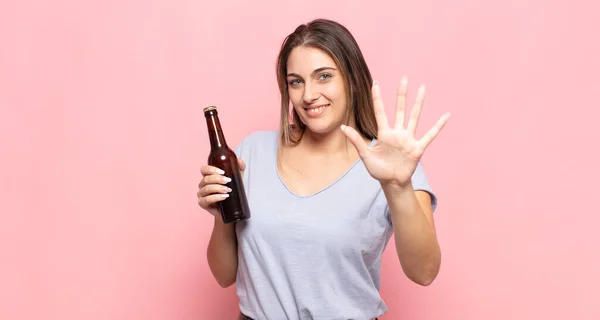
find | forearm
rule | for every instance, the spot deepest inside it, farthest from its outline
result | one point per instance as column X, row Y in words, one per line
column 416, row 241
column 222, row 253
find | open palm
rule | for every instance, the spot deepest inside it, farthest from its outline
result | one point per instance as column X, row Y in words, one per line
column 394, row 158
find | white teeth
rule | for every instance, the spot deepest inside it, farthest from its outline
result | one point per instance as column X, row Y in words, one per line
column 317, row 110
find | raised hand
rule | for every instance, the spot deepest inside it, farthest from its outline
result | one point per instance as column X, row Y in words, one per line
column 394, row 158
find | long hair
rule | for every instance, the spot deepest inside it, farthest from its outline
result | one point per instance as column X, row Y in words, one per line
column 335, row 40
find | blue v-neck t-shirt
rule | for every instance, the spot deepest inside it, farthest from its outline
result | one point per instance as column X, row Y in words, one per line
column 311, row 257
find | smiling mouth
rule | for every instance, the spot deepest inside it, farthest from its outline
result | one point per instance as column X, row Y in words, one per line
column 316, row 110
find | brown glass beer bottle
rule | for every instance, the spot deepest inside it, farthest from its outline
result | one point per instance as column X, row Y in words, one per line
column 235, row 207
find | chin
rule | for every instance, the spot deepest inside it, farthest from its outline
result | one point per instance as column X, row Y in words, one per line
column 321, row 124
column 321, row 128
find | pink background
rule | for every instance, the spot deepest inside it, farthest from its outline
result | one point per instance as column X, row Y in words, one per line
column 102, row 138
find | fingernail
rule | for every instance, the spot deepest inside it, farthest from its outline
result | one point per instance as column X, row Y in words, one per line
column 227, row 189
column 219, row 171
column 225, row 195
column 226, row 179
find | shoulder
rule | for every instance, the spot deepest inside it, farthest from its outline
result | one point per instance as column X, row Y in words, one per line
column 258, row 138
column 265, row 139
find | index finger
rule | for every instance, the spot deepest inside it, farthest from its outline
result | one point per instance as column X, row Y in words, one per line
column 207, row 170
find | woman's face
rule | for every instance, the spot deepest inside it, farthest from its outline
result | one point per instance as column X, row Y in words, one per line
column 316, row 89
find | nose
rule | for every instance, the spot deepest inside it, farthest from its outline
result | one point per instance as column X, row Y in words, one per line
column 311, row 94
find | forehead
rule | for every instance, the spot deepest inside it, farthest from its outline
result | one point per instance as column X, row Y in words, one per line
column 304, row 60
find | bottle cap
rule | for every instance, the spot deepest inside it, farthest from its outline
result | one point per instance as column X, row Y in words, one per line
column 210, row 108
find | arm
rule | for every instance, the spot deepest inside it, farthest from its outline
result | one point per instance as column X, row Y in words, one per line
column 393, row 161
column 222, row 246
column 222, row 253
column 414, row 232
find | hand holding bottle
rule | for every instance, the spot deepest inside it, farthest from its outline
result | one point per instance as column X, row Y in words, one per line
column 212, row 189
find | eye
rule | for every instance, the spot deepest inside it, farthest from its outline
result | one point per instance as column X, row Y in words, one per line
column 324, row 76
column 294, row 82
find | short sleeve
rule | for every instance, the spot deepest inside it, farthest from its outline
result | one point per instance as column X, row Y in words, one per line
column 420, row 182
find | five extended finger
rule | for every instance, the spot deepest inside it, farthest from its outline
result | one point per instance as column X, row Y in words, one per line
column 356, row 139
column 415, row 113
column 401, row 103
column 434, row 131
column 379, row 109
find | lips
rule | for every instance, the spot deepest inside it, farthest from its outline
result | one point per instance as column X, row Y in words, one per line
column 317, row 109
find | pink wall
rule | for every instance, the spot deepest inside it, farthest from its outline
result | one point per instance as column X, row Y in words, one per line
column 102, row 138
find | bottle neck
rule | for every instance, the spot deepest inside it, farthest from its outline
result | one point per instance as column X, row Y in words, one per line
column 215, row 133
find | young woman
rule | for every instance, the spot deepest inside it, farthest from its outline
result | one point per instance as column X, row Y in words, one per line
column 326, row 192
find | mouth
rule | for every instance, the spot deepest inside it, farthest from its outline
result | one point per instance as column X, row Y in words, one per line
column 316, row 110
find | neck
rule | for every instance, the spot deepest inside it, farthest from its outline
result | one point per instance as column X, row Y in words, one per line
column 330, row 143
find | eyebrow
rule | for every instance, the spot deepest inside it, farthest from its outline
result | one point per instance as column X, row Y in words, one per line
column 316, row 71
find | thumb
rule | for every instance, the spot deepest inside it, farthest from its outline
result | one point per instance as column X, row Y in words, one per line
column 242, row 164
column 356, row 140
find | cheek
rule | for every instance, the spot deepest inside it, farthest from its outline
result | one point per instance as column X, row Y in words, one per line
column 338, row 98
column 337, row 93
column 294, row 104
column 295, row 96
